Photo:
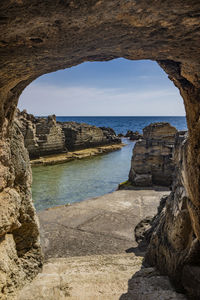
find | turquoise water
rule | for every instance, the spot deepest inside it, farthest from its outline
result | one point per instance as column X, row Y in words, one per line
column 81, row 179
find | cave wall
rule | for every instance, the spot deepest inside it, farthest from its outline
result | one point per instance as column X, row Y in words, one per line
column 38, row 37
column 20, row 252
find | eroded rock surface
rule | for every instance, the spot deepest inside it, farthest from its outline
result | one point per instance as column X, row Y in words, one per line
column 152, row 162
column 45, row 36
column 80, row 136
column 171, row 229
column 45, row 136
column 42, row 136
column 20, row 258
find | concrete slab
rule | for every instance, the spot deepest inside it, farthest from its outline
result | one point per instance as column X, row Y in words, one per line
column 102, row 225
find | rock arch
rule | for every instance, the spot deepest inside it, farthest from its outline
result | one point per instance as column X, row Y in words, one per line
column 38, row 37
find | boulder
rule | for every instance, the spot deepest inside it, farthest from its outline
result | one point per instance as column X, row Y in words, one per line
column 133, row 135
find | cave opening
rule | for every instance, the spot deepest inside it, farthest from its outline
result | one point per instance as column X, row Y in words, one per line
column 62, row 184
column 47, row 36
column 101, row 94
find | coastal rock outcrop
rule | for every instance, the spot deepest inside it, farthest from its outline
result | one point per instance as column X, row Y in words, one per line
column 80, row 136
column 46, row 136
column 171, row 228
column 152, row 162
column 42, row 136
column 133, row 135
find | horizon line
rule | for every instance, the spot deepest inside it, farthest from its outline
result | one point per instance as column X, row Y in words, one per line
column 110, row 116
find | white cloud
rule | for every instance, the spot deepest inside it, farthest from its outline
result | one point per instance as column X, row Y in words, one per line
column 43, row 99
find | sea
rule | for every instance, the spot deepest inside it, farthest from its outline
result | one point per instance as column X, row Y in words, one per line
column 122, row 124
column 78, row 180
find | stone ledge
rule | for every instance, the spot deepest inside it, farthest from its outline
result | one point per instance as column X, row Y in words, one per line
column 79, row 154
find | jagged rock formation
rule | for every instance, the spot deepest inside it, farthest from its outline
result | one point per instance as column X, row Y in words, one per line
column 45, row 36
column 80, row 136
column 42, row 136
column 152, row 162
column 177, row 232
column 20, row 258
column 171, row 228
column 45, row 136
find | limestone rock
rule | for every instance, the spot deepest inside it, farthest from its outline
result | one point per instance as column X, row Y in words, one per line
column 172, row 229
column 152, row 162
column 80, row 136
column 45, row 136
column 42, row 136
column 20, row 258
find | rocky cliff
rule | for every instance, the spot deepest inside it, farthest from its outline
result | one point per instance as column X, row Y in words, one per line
column 44, row 136
column 152, row 162
column 173, row 246
column 20, row 258
column 80, row 136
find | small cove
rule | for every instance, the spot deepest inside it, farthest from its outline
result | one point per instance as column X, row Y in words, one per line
column 80, row 179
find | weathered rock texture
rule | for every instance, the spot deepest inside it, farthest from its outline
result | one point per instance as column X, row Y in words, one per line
column 81, row 136
column 152, row 162
column 173, row 246
column 45, row 136
column 42, row 136
column 20, row 258
column 45, row 36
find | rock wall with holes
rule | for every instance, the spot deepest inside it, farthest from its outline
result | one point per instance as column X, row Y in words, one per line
column 152, row 162
column 45, row 36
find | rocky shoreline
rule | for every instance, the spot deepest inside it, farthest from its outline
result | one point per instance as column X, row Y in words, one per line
column 79, row 154
column 46, row 137
column 105, row 225
column 122, row 223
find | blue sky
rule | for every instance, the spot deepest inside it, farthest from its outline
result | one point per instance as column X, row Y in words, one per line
column 116, row 88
